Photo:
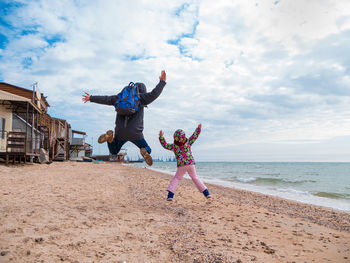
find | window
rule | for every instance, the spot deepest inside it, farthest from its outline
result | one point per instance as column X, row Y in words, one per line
column 2, row 128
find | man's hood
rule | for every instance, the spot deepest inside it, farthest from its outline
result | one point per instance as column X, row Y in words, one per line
column 142, row 87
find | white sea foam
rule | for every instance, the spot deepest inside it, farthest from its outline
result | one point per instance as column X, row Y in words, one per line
column 246, row 180
column 293, row 181
column 286, row 193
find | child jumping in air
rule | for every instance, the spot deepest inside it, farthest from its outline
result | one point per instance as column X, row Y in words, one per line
column 185, row 161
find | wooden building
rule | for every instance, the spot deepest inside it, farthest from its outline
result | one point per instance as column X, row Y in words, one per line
column 25, row 126
column 21, row 110
column 59, row 139
column 78, row 147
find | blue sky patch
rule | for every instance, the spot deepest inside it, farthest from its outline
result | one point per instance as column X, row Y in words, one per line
column 174, row 41
column 27, row 62
column 177, row 41
column 3, row 41
column 6, row 7
column 133, row 57
column 181, row 9
column 29, row 31
column 52, row 40
column 4, row 23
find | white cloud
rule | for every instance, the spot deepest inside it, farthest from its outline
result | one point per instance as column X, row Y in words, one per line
column 251, row 72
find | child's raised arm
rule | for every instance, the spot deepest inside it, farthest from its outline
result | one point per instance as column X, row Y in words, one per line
column 195, row 135
column 163, row 142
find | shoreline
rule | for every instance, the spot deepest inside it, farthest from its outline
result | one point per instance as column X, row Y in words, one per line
column 107, row 212
column 273, row 203
column 310, row 199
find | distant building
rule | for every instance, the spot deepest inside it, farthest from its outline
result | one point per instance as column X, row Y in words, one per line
column 78, row 146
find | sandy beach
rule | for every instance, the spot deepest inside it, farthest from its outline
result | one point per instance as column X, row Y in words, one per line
column 108, row 212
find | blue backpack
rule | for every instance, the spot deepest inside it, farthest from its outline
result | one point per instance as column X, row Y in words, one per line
column 128, row 101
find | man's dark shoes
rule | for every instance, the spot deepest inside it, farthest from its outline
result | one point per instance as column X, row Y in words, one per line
column 146, row 156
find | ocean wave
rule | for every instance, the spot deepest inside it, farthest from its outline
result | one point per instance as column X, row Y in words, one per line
column 271, row 174
column 246, row 180
column 332, row 195
column 272, row 181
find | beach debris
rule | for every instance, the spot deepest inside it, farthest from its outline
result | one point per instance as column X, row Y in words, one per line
column 44, row 156
column 4, row 253
column 267, row 249
column 11, row 230
column 87, row 159
column 39, row 240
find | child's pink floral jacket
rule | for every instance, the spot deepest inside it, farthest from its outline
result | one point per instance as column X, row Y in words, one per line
column 183, row 153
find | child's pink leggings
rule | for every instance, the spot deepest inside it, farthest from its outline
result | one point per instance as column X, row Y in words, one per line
column 191, row 170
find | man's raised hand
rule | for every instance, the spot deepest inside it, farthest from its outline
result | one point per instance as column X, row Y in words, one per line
column 86, row 97
column 162, row 76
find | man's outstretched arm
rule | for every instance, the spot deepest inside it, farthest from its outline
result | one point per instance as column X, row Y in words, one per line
column 149, row 97
column 107, row 100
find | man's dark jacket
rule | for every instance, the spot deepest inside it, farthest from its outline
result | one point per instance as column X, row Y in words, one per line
column 134, row 128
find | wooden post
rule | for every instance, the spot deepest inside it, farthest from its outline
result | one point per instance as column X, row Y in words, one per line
column 27, row 121
column 53, row 141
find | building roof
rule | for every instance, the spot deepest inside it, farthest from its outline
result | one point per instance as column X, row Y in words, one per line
column 16, row 90
column 27, row 93
column 7, row 96
column 13, row 97
column 79, row 132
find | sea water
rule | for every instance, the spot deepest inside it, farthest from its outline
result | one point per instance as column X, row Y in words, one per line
column 324, row 184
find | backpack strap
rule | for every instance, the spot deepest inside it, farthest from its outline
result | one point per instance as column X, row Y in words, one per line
column 126, row 121
column 131, row 85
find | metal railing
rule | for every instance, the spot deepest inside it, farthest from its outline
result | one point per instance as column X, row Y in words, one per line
column 34, row 144
column 14, row 142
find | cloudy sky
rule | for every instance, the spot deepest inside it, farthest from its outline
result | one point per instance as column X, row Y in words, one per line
column 268, row 80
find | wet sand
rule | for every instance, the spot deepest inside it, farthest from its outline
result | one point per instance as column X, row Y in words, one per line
column 107, row 212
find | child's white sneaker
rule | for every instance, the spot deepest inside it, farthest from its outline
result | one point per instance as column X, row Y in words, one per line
column 169, row 199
